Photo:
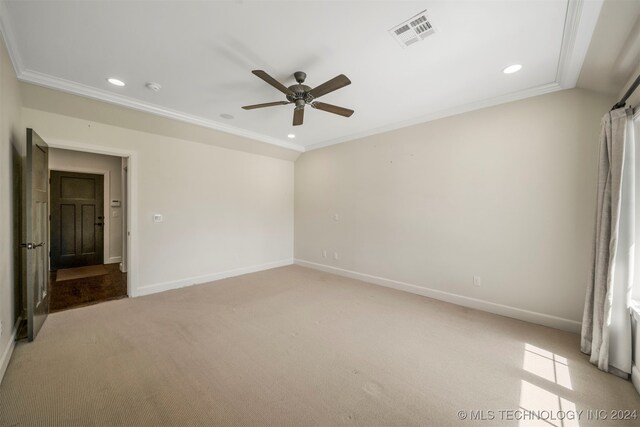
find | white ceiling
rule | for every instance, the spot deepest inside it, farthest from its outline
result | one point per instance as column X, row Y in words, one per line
column 202, row 54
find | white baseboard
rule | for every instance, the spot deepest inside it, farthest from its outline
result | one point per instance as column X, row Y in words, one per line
column 491, row 307
column 175, row 284
column 6, row 354
column 113, row 260
column 635, row 377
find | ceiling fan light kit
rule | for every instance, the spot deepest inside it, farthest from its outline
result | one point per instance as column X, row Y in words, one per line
column 302, row 95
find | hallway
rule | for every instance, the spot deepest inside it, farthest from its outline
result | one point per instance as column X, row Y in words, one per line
column 110, row 284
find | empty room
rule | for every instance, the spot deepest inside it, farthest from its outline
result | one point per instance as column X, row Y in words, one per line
column 319, row 213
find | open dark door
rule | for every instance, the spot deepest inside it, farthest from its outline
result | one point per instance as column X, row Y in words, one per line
column 37, row 232
column 77, row 219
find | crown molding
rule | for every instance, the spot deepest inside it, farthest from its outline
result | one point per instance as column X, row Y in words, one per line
column 34, row 77
column 580, row 21
column 515, row 96
column 29, row 76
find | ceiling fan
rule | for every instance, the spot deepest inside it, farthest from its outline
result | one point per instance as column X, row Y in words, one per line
column 301, row 95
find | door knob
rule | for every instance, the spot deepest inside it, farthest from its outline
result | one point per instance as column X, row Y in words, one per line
column 97, row 223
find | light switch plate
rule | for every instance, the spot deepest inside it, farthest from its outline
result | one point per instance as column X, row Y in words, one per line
column 157, row 217
column 477, row 281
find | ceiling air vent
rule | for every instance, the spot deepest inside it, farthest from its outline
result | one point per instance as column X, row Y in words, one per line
column 413, row 29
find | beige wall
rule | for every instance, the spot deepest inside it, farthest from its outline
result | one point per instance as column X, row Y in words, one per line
column 225, row 211
column 78, row 161
column 11, row 152
column 505, row 193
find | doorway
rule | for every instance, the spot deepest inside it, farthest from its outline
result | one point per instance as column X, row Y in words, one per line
column 87, row 228
column 77, row 219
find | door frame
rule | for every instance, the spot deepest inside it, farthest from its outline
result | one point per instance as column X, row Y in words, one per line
column 132, row 200
column 106, row 183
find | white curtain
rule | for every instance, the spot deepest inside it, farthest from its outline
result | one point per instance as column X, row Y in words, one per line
column 606, row 324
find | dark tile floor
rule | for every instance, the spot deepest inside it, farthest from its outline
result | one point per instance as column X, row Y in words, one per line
column 87, row 291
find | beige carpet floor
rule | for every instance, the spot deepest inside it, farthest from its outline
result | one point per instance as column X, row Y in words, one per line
column 293, row 346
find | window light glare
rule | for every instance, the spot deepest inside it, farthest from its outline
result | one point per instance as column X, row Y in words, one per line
column 291, row 136
column 512, row 69
column 115, row 82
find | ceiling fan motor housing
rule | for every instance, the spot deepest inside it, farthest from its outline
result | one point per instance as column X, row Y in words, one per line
column 301, row 95
column 300, row 92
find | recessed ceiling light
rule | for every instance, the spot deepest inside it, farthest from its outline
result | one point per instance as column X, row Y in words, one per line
column 512, row 69
column 291, row 136
column 115, row 82
column 226, row 116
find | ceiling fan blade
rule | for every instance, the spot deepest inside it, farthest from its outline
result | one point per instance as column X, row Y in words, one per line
column 268, row 104
column 273, row 82
column 329, row 86
column 332, row 109
column 298, row 116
